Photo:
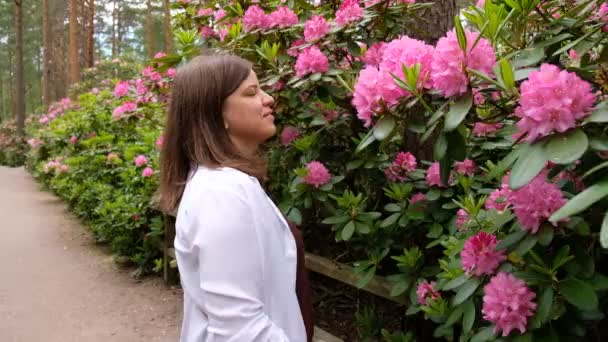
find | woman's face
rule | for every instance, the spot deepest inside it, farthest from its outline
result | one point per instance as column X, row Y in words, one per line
column 248, row 114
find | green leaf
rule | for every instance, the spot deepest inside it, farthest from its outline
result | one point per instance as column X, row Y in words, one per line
column 567, row 147
column 465, row 291
column 531, row 161
column 578, row 293
column 545, row 235
column 348, row 230
column 454, row 283
column 433, row 194
column 576, row 42
column 435, row 231
column 462, row 38
column 392, row 207
column 599, row 282
column 335, row 219
column 581, row 201
column 599, row 113
column 468, row 317
column 368, row 139
column 506, row 71
column 384, row 127
column 527, row 57
column 527, row 244
column 441, row 146
column 604, row 232
column 390, row 220
column 455, row 315
column 399, row 288
column 545, row 302
column 485, row 334
column 457, row 112
column 369, row 275
column 295, row 215
column 511, row 239
column 522, row 74
column 523, row 338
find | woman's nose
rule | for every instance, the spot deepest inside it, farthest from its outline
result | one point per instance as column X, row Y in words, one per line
column 268, row 100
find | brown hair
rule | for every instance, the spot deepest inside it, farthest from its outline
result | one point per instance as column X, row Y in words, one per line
column 194, row 132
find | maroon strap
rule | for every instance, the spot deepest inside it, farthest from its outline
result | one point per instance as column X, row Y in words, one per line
column 303, row 289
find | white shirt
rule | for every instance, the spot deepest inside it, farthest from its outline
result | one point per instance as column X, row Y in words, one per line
column 237, row 261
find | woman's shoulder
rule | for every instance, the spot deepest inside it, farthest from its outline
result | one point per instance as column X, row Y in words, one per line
column 222, row 179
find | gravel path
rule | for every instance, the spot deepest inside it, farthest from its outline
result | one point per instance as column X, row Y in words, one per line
column 56, row 284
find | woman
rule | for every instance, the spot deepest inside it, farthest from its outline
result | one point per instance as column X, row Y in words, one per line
column 237, row 256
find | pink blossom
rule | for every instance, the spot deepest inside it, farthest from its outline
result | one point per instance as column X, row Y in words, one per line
column 508, row 302
column 426, row 290
column 370, row 3
column 348, row 12
column 219, row 15
column 480, row 3
column 289, row 134
column 373, row 55
column 535, row 202
column 433, row 177
column 124, row 108
column 478, row 98
column 449, row 62
column 293, row 50
column 498, row 199
column 255, row 18
column 34, row 143
column 282, row 17
column 160, row 142
column 43, row 119
column 418, row 197
column 64, row 168
column 141, row 160
column 73, row 139
column 223, row 33
column 404, row 163
column 315, row 28
column 407, row 51
column 203, row 12
column 311, row 60
column 121, row 89
column 206, row 31
column 552, row 100
column 570, row 176
column 317, row 175
column 373, row 91
column 140, row 87
column 572, row 54
column 330, row 115
column 481, row 129
column 462, row 218
column 150, row 74
column 95, row 91
column 466, row 167
column 147, row 172
column 479, row 255
column 278, row 85
column 112, row 157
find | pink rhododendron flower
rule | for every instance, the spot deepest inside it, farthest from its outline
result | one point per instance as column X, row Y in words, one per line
column 140, row 87
column 349, row 11
column 407, row 51
column 315, row 28
column 478, row 98
column 147, row 172
column 552, row 100
column 572, row 54
column 535, row 202
column 203, row 12
column 498, row 199
column 95, row 91
column 206, row 31
column 219, row 15
column 112, row 157
column 141, row 160
column 282, row 17
column 508, row 303
column 426, row 290
column 480, row 3
column 311, row 60
column 481, row 129
column 150, row 74
column 479, row 255
column 293, row 50
column 373, row 90
column 466, row 167
column 462, row 218
column 160, row 142
column 449, row 62
column 34, row 143
column 318, row 174
column 121, row 89
column 255, row 18
column 289, row 134
column 124, row 108
column 403, row 164
column 373, row 55
column 433, row 177
column 160, row 54
column 73, row 139
column 64, row 168
column 418, row 197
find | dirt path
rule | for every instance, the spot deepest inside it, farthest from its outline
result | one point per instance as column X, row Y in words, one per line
column 57, row 285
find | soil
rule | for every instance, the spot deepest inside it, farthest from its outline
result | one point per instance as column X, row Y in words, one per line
column 56, row 284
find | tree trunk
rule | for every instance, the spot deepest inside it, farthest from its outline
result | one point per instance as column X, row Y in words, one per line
column 438, row 19
column 46, row 53
column 114, row 19
column 20, row 90
column 149, row 30
column 90, row 57
column 74, row 63
column 168, row 32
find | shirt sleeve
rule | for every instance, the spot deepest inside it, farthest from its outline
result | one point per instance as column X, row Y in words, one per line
column 231, row 270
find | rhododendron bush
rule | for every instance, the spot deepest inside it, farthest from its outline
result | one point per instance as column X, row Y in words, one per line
column 472, row 172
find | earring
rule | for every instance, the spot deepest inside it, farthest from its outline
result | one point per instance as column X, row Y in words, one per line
column 226, row 126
